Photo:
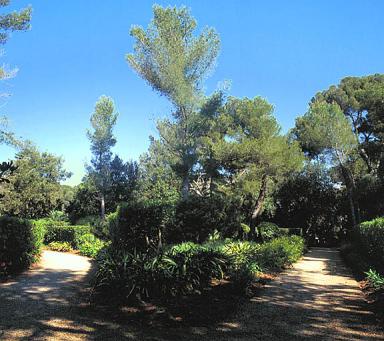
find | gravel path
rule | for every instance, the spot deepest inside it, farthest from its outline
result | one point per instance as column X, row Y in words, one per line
column 316, row 300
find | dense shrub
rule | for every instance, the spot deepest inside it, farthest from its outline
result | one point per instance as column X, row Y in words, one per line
column 188, row 267
column 309, row 201
column 280, row 252
column 138, row 224
column 375, row 279
column 198, row 217
column 369, row 236
column 58, row 231
column 20, row 244
column 58, row 216
column 267, row 231
column 89, row 245
column 60, row 246
column 182, row 269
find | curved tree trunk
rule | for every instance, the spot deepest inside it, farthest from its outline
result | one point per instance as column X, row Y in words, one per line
column 259, row 203
column 102, row 206
column 351, row 190
column 185, row 187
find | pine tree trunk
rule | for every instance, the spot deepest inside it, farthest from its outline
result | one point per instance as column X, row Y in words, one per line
column 185, row 187
column 260, row 198
column 351, row 190
column 102, row 207
column 259, row 204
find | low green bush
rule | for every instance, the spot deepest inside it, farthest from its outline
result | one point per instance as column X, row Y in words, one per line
column 375, row 279
column 89, row 245
column 181, row 270
column 20, row 244
column 267, row 231
column 280, row 252
column 188, row 268
column 60, row 246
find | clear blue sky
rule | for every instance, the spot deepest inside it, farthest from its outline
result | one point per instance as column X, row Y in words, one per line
column 285, row 51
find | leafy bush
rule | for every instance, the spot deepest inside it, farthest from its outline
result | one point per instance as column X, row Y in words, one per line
column 89, row 245
column 88, row 220
column 369, row 236
column 280, row 252
column 375, row 279
column 194, row 266
column 60, row 246
column 188, row 268
column 58, row 216
column 182, row 269
column 19, row 244
column 138, row 224
column 267, row 231
column 198, row 217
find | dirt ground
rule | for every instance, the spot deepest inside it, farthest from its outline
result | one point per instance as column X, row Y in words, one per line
column 315, row 300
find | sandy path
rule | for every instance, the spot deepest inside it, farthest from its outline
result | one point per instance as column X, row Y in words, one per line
column 49, row 303
column 316, row 300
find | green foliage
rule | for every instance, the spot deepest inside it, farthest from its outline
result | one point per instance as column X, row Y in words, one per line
column 60, row 246
column 375, row 279
column 59, row 231
column 281, row 252
column 34, row 189
column 361, row 100
column 309, row 200
column 181, row 270
column 369, row 236
column 138, row 224
column 175, row 63
column 188, row 268
column 198, row 217
column 84, row 204
column 58, row 216
column 267, row 231
column 89, row 245
column 252, row 151
column 19, row 244
column 102, row 140
column 170, row 58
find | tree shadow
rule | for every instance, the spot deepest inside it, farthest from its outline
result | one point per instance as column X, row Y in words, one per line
column 49, row 304
column 304, row 304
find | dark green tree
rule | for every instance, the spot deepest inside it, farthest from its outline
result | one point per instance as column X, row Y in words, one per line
column 325, row 132
column 175, row 62
column 361, row 100
column 34, row 188
column 253, row 153
column 102, row 140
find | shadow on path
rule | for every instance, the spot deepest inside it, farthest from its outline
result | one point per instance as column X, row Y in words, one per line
column 316, row 300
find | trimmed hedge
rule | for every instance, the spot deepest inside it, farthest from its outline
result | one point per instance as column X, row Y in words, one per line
column 60, row 231
column 370, row 236
column 20, row 243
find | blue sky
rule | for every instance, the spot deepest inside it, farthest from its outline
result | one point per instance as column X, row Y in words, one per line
column 284, row 51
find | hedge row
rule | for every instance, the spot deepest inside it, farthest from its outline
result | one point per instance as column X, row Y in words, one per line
column 20, row 244
column 369, row 237
column 60, row 236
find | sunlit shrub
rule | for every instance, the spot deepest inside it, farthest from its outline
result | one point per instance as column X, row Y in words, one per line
column 60, row 246
column 89, row 245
